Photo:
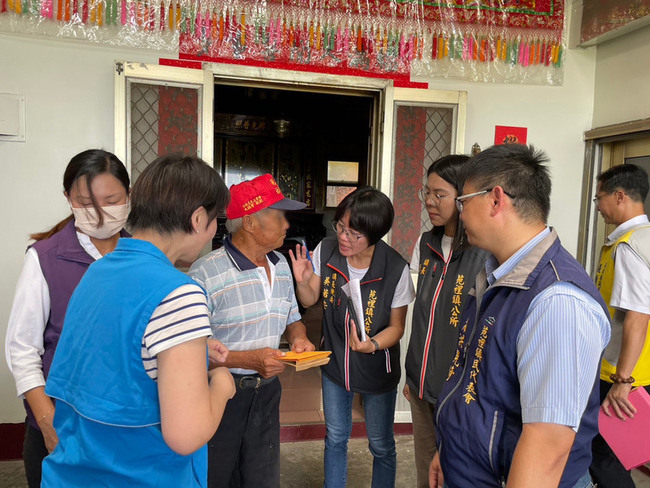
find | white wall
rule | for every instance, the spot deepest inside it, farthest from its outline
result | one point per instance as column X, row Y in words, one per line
column 622, row 79
column 68, row 88
column 69, row 96
column 556, row 118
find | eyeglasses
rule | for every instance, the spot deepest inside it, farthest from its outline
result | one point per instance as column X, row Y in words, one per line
column 435, row 199
column 597, row 198
column 339, row 228
column 459, row 200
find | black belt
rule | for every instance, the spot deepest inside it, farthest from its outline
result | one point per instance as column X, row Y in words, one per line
column 251, row 381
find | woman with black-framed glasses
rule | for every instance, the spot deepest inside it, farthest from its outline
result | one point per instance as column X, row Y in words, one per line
column 446, row 266
column 369, row 366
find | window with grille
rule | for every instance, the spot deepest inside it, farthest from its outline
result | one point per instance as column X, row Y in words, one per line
column 163, row 120
column 422, row 135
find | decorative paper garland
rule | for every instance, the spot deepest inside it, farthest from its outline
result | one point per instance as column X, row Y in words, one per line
column 323, row 36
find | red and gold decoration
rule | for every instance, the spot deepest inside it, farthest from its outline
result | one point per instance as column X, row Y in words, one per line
column 410, row 143
column 486, row 40
column 510, row 135
column 178, row 124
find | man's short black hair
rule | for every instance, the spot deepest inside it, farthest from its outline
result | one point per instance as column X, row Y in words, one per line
column 371, row 212
column 520, row 171
column 170, row 189
column 630, row 178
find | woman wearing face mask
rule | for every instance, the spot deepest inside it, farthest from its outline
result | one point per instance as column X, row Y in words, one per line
column 446, row 267
column 370, row 367
column 96, row 185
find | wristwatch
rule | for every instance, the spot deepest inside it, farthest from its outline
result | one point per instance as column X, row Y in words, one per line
column 376, row 345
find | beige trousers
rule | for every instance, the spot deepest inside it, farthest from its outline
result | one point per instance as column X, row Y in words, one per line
column 424, row 437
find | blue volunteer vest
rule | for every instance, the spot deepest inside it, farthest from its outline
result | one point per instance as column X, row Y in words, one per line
column 479, row 416
column 108, row 414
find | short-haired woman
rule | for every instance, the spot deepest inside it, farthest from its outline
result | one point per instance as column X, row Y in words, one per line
column 370, row 367
column 135, row 401
column 446, row 266
column 96, row 185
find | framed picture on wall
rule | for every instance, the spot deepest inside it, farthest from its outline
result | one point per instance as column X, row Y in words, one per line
column 335, row 194
column 342, row 179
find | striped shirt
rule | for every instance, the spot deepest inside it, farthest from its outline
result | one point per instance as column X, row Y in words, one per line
column 182, row 316
column 558, row 347
column 247, row 311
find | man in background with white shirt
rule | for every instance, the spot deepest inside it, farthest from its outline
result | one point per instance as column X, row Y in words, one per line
column 623, row 278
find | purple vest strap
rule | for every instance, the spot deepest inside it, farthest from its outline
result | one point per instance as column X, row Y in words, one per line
column 63, row 262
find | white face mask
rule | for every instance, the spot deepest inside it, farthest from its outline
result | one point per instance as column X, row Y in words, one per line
column 86, row 220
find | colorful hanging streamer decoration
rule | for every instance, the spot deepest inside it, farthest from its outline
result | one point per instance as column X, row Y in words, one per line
column 377, row 41
column 513, row 50
column 334, row 40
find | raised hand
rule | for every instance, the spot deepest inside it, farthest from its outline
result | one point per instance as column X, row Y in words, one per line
column 302, row 266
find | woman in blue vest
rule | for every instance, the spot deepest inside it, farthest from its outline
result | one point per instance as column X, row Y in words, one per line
column 96, row 185
column 446, row 266
column 135, row 401
column 365, row 361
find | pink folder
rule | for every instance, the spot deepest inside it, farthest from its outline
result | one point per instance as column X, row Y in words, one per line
column 629, row 439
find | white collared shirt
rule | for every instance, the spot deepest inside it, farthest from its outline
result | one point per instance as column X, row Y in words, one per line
column 29, row 314
column 631, row 289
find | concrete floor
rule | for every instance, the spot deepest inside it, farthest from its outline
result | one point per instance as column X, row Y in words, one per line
column 302, row 466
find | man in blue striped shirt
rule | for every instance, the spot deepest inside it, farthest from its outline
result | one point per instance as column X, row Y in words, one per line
column 252, row 303
column 520, row 405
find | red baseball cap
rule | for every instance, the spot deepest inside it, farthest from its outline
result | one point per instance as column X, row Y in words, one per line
column 254, row 195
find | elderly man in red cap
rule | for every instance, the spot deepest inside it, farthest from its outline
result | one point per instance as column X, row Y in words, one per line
column 252, row 303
